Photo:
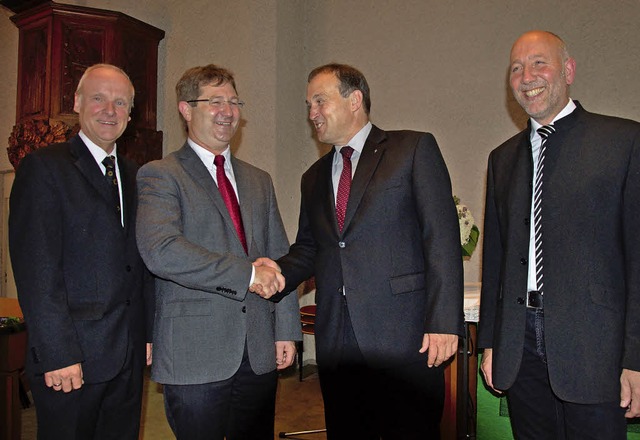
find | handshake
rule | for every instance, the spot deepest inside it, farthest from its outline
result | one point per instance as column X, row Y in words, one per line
column 268, row 279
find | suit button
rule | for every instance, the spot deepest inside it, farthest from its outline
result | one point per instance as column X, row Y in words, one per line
column 520, row 300
column 128, row 268
column 340, row 290
column 128, row 302
column 523, row 261
column 244, row 309
column 526, row 221
column 342, row 244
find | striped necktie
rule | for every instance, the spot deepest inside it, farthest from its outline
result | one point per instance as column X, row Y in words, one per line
column 545, row 131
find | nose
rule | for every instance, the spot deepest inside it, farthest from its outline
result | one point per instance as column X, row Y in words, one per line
column 527, row 74
column 313, row 112
column 226, row 108
column 110, row 108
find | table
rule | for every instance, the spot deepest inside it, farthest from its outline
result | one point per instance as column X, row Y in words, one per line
column 13, row 342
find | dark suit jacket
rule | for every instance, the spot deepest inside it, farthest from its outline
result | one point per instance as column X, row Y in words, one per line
column 398, row 256
column 591, row 248
column 81, row 282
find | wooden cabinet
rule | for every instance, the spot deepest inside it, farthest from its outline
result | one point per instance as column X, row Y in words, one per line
column 13, row 344
column 57, row 42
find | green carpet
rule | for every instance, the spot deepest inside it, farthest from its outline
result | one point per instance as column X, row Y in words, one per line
column 494, row 426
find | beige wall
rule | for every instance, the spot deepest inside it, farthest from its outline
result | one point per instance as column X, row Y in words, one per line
column 432, row 65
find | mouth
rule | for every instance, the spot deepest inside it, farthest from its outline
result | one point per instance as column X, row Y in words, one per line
column 222, row 123
column 318, row 125
column 533, row 92
column 108, row 122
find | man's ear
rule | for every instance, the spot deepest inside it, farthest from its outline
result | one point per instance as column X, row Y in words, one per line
column 185, row 110
column 355, row 100
column 569, row 70
column 76, row 102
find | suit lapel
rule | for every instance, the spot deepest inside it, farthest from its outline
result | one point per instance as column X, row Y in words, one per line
column 128, row 180
column 244, row 185
column 370, row 157
column 200, row 174
column 519, row 188
column 323, row 190
column 89, row 168
column 86, row 163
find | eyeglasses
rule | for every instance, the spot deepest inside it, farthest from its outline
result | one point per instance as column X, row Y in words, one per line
column 217, row 102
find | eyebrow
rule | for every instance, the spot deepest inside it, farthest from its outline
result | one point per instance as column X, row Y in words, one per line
column 221, row 97
column 316, row 96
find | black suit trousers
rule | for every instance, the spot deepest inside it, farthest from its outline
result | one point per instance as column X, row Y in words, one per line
column 400, row 403
column 538, row 414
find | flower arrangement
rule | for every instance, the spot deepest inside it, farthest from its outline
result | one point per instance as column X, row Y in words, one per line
column 11, row 323
column 32, row 134
column 469, row 232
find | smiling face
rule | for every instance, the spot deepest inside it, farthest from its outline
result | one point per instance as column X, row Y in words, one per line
column 103, row 103
column 336, row 118
column 209, row 126
column 540, row 75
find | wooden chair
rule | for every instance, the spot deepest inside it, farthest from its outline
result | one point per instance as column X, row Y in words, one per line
column 308, row 320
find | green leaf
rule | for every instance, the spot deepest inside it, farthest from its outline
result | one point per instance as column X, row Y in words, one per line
column 468, row 248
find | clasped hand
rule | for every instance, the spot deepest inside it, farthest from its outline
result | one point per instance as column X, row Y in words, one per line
column 268, row 280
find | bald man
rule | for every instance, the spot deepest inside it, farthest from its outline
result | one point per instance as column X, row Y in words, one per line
column 561, row 273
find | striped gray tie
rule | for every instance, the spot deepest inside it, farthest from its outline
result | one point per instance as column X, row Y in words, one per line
column 545, row 131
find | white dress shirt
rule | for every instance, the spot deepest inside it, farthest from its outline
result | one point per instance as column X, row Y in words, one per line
column 536, row 142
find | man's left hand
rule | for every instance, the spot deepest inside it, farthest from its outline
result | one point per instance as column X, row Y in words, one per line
column 285, row 354
column 630, row 392
column 441, row 347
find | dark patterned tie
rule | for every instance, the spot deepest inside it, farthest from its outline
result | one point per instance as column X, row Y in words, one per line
column 109, row 163
column 545, row 131
column 230, row 199
column 344, row 186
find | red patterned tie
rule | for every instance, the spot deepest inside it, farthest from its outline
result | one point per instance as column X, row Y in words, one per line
column 230, row 199
column 344, row 186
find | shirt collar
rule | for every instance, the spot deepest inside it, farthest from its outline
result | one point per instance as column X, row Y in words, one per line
column 207, row 156
column 357, row 142
column 567, row 110
column 97, row 152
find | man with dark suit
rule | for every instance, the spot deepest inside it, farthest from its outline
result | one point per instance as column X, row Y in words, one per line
column 387, row 263
column 85, row 293
column 561, row 267
column 204, row 217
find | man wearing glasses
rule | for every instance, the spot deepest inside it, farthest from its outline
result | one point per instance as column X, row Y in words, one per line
column 204, row 216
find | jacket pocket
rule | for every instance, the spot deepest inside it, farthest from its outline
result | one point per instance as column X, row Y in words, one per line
column 187, row 308
column 407, row 283
column 86, row 312
column 607, row 296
